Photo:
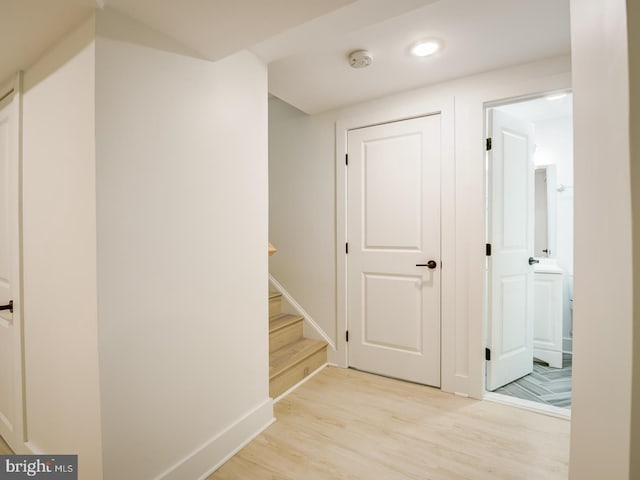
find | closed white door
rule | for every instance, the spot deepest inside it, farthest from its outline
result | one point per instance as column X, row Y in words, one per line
column 511, row 223
column 394, row 233
column 11, row 419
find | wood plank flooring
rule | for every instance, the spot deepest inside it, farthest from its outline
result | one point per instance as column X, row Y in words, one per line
column 345, row 424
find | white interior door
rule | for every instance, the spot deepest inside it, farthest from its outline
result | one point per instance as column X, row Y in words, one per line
column 511, row 225
column 11, row 416
column 393, row 226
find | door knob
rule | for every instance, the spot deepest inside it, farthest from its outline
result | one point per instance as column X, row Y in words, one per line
column 7, row 307
column 430, row 264
column 533, row 260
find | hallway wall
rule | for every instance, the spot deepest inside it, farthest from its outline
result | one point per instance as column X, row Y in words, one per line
column 182, row 252
column 604, row 304
column 59, row 253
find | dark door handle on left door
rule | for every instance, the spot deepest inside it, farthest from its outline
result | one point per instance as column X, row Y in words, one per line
column 7, row 307
column 430, row 264
column 533, row 260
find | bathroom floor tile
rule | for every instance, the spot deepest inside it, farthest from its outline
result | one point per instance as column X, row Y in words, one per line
column 545, row 384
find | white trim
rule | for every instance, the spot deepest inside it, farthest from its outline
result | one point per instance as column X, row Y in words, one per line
column 222, row 446
column 543, row 408
column 442, row 104
column 302, row 312
column 304, row 380
column 10, row 89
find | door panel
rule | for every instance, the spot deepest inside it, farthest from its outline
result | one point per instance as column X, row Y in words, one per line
column 513, row 296
column 393, row 224
column 406, row 335
column 511, row 235
column 11, row 411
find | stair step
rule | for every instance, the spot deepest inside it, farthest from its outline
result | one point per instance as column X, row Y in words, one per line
column 293, row 362
column 284, row 329
column 275, row 303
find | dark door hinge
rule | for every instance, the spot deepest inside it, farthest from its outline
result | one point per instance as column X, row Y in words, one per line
column 346, row 159
column 487, row 354
column 488, row 249
column 347, row 335
column 347, row 247
column 489, row 144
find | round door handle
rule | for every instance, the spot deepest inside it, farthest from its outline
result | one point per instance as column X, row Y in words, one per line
column 533, row 261
column 430, row 264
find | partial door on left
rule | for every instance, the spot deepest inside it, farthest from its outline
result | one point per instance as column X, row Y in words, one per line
column 11, row 368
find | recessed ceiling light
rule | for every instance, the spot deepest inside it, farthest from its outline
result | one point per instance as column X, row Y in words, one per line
column 425, row 48
column 556, row 96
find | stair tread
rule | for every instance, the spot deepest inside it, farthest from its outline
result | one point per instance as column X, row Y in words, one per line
column 274, row 295
column 282, row 320
column 291, row 354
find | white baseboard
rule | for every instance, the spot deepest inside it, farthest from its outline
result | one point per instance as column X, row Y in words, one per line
column 215, row 452
column 303, row 313
column 542, row 408
column 304, row 380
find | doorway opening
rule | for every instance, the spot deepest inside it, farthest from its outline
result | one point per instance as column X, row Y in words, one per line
column 529, row 263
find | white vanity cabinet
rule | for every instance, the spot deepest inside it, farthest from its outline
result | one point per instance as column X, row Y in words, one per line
column 547, row 330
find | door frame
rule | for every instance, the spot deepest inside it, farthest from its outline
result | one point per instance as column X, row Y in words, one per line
column 486, row 394
column 11, row 94
column 371, row 116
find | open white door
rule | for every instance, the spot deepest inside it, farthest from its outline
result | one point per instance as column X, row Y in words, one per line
column 394, row 249
column 511, row 235
column 11, row 408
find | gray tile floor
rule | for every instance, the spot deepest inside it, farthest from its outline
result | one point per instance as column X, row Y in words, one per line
column 551, row 386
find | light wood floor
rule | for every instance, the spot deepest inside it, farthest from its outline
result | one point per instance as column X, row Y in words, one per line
column 344, row 424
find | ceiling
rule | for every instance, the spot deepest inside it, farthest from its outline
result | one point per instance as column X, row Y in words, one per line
column 306, row 42
column 213, row 28
column 541, row 109
column 308, row 65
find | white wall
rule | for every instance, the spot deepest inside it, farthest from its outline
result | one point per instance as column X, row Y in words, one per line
column 633, row 25
column 554, row 142
column 59, row 248
column 303, row 154
column 182, row 261
column 302, row 209
column 603, row 310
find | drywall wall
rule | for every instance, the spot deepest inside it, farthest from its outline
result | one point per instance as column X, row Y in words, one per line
column 633, row 28
column 304, row 216
column 59, row 250
column 182, row 263
column 302, row 209
column 603, row 309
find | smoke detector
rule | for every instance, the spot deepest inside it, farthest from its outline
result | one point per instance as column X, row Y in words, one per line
column 360, row 59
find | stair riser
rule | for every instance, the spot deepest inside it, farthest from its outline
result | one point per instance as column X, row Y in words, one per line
column 287, row 379
column 282, row 337
column 275, row 305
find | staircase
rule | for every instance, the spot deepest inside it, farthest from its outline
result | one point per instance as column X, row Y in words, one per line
column 292, row 357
